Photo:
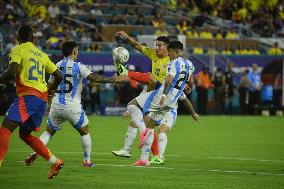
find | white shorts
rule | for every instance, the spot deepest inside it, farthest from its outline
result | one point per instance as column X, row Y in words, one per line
column 150, row 102
column 59, row 114
column 169, row 118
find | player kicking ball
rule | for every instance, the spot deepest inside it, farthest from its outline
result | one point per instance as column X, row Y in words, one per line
column 144, row 102
column 160, row 60
column 66, row 102
column 164, row 122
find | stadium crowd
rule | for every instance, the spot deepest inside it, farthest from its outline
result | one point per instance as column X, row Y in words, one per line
column 83, row 21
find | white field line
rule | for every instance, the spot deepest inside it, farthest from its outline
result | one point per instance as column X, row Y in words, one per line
column 170, row 168
column 194, row 157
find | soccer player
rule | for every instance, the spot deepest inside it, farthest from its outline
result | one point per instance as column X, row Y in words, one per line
column 29, row 64
column 66, row 103
column 166, row 121
column 163, row 99
column 160, row 60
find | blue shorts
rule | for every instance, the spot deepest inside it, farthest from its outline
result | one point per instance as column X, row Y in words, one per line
column 27, row 111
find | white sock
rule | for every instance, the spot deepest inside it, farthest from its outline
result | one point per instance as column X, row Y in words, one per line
column 86, row 145
column 163, row 139
column 129, row 139
column 52, row 159
column 137, row 117
column 146, row 148
column 44, row 137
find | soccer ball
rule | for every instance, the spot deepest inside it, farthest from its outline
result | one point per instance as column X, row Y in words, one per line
column 120, row 54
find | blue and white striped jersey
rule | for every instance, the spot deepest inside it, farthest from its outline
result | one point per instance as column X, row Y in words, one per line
column 69, row 90
column 181, row 69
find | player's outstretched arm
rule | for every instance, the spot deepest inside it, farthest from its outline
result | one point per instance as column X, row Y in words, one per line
column 100, row 79
column 130, row 40
column 57, row 80
column 190, row 108
column 9, row 72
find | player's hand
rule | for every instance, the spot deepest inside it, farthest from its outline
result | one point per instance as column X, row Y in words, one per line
column 196, row 117
column 187, row 89
column 121, row 78
column 122, row 34
column 126, row 114
column 163, row 101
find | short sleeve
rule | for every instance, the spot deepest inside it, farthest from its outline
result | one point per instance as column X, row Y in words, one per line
column 50, row 66
column 84, row 70
column 15, row 55
column 149, row 52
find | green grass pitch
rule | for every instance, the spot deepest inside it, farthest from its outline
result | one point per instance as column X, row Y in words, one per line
column 218, row 152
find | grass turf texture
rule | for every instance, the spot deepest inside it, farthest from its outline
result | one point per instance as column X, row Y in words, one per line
column 218, row 152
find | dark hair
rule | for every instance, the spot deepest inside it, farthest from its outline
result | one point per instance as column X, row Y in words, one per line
column 67, row 47
column 163, row 39
column 25, row 33
column 175, row 45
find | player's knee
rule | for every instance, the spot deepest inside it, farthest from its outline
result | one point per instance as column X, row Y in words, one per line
column 83, row 130
column 132, row 124
column 25, row 137
column 163, row 128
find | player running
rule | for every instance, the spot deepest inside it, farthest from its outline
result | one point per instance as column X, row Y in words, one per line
column 29, row 64
column 163, row 99
column 66, row 103
column 160, row 60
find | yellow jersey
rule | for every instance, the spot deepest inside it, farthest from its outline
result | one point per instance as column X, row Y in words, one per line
column 159, row 65
column 30, row 76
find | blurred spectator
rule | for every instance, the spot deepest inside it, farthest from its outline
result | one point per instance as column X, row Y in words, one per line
column 213, row 49
column 229, row 87
column 219, row 91
column 206, row 34
column 86, row 39
column 219, row 34
column 95, row 98
column 203, row 84
column 198, row 49
column 94, row 47
column 231, row 34
column 227, row 50
column 140, row 20
column 118, row 20
column 182, row 27
column 254, row 50
column 85, row 96
column 73, row 9
column 243, row 92
column 162, row 31
column 275, row 50
column 159, row 22
column 53, row 11
column 254, row 89
column 192, row 34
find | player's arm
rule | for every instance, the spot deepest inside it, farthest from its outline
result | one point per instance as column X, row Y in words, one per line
column 130, row 40
column 186, row 102
column 100, row 79
column 168, row 81
column 56, row 81
column 167, row 85
column 9, row 72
